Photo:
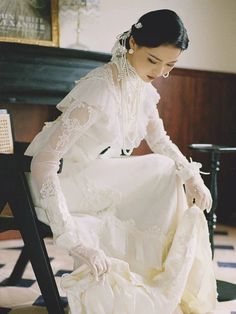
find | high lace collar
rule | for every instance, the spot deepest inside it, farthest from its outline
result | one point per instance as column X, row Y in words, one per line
column 132, row 87
column 125, row 70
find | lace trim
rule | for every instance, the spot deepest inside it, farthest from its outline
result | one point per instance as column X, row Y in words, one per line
column 71, row 125
column 54, row 204
column 192, row 169
column 95, row 195
column 104, row 73
column 48, row 189
column 130, row 224
column 132, row 93
column 184, row 168
column 123, row 237
column 97, row 73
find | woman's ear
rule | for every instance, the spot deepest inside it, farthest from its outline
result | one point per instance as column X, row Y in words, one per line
column 132, row 43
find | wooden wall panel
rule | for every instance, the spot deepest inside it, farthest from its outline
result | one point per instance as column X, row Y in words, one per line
column 199, row 107
column 28, row 119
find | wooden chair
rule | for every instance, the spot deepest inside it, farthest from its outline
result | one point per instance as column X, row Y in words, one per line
column 15, row 191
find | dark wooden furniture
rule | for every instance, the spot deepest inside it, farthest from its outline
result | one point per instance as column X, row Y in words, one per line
column 226, row 290
column 33, row 79
column 16, row 192
column 214, row 152
column 39, row 75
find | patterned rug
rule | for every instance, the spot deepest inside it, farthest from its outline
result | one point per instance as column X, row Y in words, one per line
column 25, row 297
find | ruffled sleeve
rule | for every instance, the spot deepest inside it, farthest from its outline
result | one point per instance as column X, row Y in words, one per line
column 83, row 107
column 94, row 89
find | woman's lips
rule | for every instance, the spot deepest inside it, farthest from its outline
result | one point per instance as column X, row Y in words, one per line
column 151, row 77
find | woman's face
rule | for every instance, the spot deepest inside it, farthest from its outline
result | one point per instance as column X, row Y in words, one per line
column 151, row 63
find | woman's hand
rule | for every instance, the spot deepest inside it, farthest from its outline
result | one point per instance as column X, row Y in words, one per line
column 198, row 193
column 96, row 259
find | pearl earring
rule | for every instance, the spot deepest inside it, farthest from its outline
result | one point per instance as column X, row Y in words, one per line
column 166, row 75
column 131, row 51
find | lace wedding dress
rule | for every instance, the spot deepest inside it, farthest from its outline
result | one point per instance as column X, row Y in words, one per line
column 132, row 207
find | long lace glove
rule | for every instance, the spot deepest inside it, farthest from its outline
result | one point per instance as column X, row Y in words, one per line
column 96, row 259
column 189, row 172
column 198, row 193
column 65, row 131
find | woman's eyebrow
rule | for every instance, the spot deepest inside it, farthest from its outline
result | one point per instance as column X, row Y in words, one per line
column 151, row 55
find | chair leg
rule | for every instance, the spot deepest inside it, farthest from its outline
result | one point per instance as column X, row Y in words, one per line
column 2, row 204
column 4, row 191
column 18, row 270
column 27, row 223
column 23, row 259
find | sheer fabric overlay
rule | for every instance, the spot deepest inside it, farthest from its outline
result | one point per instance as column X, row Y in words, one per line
column 133, row 208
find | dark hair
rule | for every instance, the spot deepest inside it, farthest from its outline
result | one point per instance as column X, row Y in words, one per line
column 160, row 27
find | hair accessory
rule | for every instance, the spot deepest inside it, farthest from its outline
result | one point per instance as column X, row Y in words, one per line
column 131, row 51
column 119, row 50
column 166, row 75
column 138, row 25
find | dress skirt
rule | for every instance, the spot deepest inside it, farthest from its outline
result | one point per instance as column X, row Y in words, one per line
column 134, row 208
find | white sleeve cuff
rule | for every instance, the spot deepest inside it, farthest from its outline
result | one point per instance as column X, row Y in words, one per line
column 67, row 240
column 189, row 171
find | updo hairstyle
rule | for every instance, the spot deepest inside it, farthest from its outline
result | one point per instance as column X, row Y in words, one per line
column 160, row 27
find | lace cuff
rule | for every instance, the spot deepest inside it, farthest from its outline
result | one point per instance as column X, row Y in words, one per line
column 54, row 204
column 67, row 240
column 186, row 172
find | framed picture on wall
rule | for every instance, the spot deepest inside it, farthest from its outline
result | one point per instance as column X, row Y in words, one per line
column 29, row 21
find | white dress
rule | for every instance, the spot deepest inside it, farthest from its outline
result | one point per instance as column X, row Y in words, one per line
column 132, row 207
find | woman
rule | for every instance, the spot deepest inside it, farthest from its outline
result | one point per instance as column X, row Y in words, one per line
column 139, row 243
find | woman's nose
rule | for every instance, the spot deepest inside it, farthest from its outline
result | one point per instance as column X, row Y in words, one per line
column 159, row 70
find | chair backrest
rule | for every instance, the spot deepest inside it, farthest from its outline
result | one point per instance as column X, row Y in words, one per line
column 15, row 190
column 6, row 135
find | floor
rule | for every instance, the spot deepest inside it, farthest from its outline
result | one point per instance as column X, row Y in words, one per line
column 25, row 298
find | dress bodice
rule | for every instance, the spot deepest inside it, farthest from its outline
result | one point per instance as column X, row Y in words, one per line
column 122, row 113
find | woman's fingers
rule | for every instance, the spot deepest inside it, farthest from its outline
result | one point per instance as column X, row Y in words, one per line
column 108, row 264
column 204, row 201
column 100, row 268
column 94, row 271
column 200, row 201
column 197, row 190
column 209, row 205
column 96, row 260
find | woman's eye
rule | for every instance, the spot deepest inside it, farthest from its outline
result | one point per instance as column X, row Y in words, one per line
column 150, row 60
column 170, row 65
